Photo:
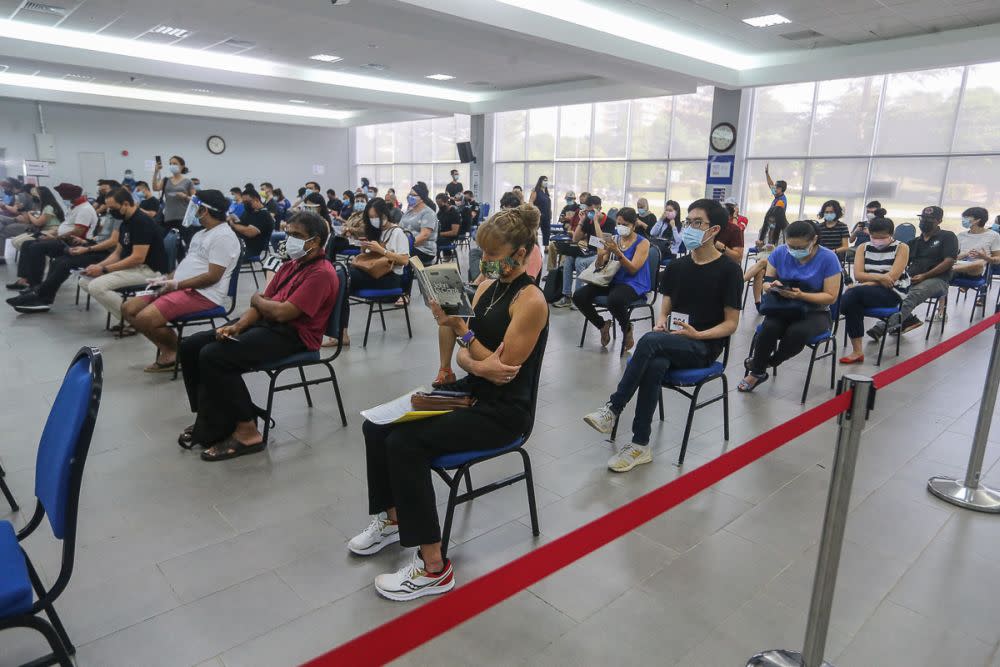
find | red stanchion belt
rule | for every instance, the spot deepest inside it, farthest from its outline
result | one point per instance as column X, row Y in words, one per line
column 904, row 368
column 419, row 626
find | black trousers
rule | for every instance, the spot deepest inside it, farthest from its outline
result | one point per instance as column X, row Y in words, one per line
column 31, row 262
column 399, row 461
column 213, row 374
column 361, row 280
column 782, row 337
column 619, row 298
column 546, row 226
column 59, row 271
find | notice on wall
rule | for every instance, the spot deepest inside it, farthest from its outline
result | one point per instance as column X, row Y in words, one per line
column 150, row 165
column 474, row 186
column 36, row 168
column 319, row 169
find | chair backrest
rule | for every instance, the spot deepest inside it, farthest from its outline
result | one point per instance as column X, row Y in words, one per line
column 905, row 232
column 171, row 242
column 835, row 306
column 407, row 281
column 653, row 266
column 340, row 306
column 234, row 277
column 484, row 213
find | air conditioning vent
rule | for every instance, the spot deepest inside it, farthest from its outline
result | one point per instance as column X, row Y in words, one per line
column 44, row 9
column 802, row 34
column 232, row 46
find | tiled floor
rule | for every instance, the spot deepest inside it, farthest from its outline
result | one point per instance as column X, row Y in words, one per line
column 243, row 563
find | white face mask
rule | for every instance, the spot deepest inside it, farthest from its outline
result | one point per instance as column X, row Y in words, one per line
column 174, row 169
column 296, row 248
column 376, row 222
column 623, row 231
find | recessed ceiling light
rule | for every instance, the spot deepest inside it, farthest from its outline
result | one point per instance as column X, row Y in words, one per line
column 298, row 101
column 199, row 90
column 766, row 21
column 325, row 58
column 171, row 31
column 440, row 77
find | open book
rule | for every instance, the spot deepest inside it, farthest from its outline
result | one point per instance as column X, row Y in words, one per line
column 399, row 410
column 443, row 283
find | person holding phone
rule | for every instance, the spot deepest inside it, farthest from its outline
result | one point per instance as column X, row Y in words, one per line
column 175, row 189
column 706, row 288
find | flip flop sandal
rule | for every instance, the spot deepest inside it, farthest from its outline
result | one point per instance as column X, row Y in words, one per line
column 186, row 438
column 746, row 388
column 160, row 367
column 230, row 448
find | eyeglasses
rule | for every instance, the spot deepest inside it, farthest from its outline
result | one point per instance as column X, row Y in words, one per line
column 688, row 222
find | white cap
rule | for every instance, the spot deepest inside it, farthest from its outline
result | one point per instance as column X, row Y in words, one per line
column 731, row 200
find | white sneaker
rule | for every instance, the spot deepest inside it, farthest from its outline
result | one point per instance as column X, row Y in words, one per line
column 602, row 420
column 564, row 302
column 412, row 581
column 630, row 456
column 379, row 534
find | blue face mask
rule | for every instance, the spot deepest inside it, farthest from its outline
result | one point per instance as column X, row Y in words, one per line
column 642, row 212
column 359, row 206
column 411, row 200
column 996, row 227
column 774, row 191
column 692, row 238
column 829, row 217
column 590, row 215
column 800, row 253
column 967, row 223
column 306, row 193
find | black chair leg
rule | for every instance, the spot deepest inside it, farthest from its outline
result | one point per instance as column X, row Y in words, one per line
column 305, row 387
column 833, row 364
column 336, row 392
column 659, row 400
column 583, row 334
column 468, row 480
column 6, row 492
column 529, row 480
column 177, row 358
column 450, row 513
column 381, row 314
column 270, row 405
column 687, row 426
column 725, row 407
column 59, row 654
column 368, row 324
column 809, row 373
column 406, row 314
column 50, row 611
column 881, row 342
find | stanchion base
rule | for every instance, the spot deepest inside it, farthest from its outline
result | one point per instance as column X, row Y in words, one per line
column 779, row 658
column 981, row 498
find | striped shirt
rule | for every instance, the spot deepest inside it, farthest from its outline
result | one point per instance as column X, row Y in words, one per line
column 832, row 237
column 880, row 260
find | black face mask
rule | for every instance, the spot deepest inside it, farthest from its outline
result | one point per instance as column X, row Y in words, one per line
column 116, row 213
column 926, row 226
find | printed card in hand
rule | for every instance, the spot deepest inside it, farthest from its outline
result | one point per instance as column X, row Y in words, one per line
column 676, row 317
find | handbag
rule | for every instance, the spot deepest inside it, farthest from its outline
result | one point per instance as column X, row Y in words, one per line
column 601, row 277
column 374, row 265
column 441, row 400
column 773, row 304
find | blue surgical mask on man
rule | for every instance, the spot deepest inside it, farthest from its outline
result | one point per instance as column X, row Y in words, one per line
column 692, row 237
column 800, row 253
column 642, row 212
column 967, row 223
column 359, row 206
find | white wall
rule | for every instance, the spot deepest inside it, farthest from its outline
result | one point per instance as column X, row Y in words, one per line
column 281, row 154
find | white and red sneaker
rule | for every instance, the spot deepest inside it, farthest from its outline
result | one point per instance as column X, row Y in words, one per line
column 412, row 581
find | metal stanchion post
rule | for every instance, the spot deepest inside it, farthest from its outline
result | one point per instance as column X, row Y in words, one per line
column 972, row 494
column 831, row 542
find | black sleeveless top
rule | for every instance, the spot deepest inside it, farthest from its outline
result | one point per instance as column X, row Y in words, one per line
column 490, row 325
column 544, row 204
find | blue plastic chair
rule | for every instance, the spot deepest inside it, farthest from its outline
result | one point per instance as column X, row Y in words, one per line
column 979, row 286
column 252, row 264
column 62, row 452
column 644, row 302
column 276, row 238
column 461, row 463
column 883, row 315
column 904, row 233
column 208, row 317
column 303, row 360
column 385, row 299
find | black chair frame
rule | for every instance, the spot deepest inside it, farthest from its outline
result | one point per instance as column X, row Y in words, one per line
column 388, row 304
column 303, row 383
column 6, row 492
column 53, row 629
column 933, row 305
column 454, row 480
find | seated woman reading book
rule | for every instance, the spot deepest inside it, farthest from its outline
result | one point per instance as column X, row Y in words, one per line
column 500, row 351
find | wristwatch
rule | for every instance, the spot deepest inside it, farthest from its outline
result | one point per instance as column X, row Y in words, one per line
column 465, row 340
column 104, row 269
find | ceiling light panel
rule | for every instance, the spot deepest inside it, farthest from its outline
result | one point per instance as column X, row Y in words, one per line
column 170, row 31
column 766, row 21
column 440, row 77
column 325, row 58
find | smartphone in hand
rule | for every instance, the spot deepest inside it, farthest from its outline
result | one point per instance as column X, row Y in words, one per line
column 676, row 318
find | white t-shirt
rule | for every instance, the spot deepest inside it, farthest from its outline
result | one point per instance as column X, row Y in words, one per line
column 988, row 240
column 83, row 215
column 217, row 245
column 395, row 241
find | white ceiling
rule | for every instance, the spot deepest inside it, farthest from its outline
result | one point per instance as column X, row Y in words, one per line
column 504, row 53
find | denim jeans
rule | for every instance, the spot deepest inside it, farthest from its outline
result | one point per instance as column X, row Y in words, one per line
column 655, row 354
column 571, row 264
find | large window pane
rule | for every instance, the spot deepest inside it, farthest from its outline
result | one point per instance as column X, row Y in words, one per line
column 972, row 181
column 422, row 141
column 402, row 181
column 569, row 176
column 919, row 111
column 906, row 185
column 649, row 180
column 442, row 177
column 402, row 137
column 610, row 130
column 845, row 116
column 607, row 181
column 692, row 124
column 535, row 171
column 365, row 143
column 650, row 129
column 979, row 117
column 574, row 131
column 443, row 139
column 542, row 133
column 463, row 127
column 759, row 197
column 843, row 180
column 510, row 130
column 686, row 182
column 781, row 120
column 506, row 176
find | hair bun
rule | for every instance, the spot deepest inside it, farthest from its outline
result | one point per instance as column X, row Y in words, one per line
column 530, row 216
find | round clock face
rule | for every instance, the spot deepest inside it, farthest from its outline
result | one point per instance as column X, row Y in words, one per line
column 216, row 144
column 723, row 137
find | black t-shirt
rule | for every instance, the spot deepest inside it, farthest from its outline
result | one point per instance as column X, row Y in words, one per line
column 470, row 216
column 141, row 230
column 832, row 237
column 263, row 221
column 925, row 255
column 454, row 188
column 703, row 291
column 271, row 207
column 446, row 218
column 607, row 226
column 568, row 208
column 649, row 220
column 150, row 204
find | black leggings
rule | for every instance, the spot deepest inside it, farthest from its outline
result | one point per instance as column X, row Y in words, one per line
column 399, row 460
column 619, row 298
column 781, row 337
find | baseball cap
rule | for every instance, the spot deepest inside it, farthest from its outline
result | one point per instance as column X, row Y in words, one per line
column 213, row 200
column 68, row 191
column 570, row 194
column 731, row 200
column 933, row 213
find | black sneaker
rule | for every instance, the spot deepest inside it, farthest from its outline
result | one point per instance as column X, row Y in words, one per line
column 875, row 333
column 17, row 286
column 22, row 297
column 32, row 305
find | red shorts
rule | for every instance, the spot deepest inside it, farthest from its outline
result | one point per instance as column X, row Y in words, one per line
column 179, row 302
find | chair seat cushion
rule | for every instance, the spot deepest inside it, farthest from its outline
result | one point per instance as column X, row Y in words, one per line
column 881, row 312
column 378, row 293
column 458, row 459
column 216, row 312
column 826, row 335
column 253, row 258
column 969, row 283
column 602, row 301
column 130, row 289
column 15, row 587
column 687, row 376
column 350, row 252
column 307, row 357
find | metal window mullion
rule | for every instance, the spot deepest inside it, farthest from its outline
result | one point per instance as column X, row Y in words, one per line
column 875, row 132
column 954, row 134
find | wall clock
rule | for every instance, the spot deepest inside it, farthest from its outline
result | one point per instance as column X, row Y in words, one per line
column 217, row 145
column 723, row 137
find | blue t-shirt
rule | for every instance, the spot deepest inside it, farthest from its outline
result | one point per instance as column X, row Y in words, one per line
column 807, row 277
column 235, row 208
column 780, row 200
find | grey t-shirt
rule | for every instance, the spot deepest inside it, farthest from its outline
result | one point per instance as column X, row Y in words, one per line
column 106, row 226
column 174, row 206
column 425, row 218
